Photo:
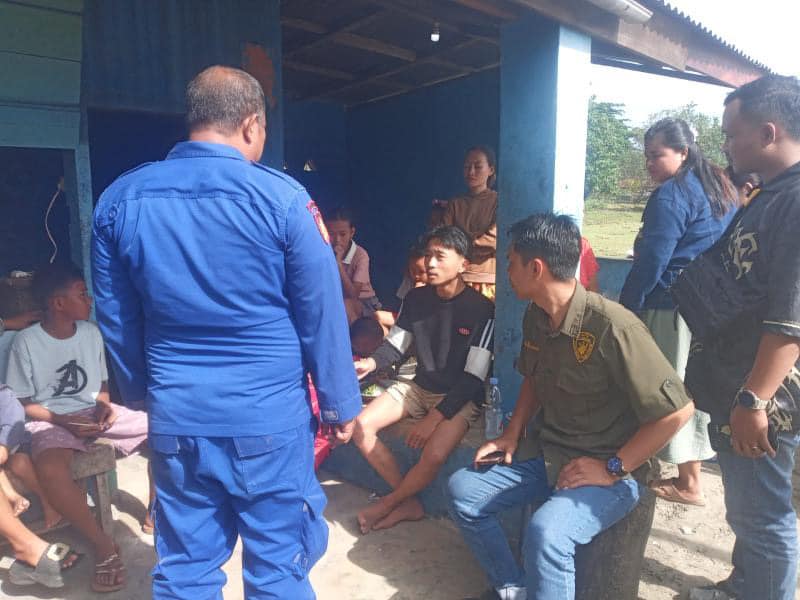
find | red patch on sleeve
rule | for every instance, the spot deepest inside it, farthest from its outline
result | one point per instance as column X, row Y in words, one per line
column 323, row 231
column 464, row 331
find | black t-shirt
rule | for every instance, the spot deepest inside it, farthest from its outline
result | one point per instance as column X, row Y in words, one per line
column 760, row 251
column 453, row 339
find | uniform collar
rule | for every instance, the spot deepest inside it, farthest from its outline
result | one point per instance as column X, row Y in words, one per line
column 573, row 321
column 577, row 307
column 203, row 149
column 351, row 252
column 776, row 184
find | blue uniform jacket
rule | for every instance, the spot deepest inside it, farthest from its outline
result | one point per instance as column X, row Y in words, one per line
column 677, row 226
column 216, row 292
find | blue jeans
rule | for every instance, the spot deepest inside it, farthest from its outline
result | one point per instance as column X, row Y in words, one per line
column 212, row 490
column 566, row 519
column 758, row 499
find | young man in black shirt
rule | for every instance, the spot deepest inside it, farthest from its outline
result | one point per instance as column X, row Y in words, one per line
column 744, row 372
column 451, row 327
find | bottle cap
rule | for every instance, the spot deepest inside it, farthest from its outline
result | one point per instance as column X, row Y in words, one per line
column 493, row 381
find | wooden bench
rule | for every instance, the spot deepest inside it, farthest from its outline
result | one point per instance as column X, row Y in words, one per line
column 91, row 470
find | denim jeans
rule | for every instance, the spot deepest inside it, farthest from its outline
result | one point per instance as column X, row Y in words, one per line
column 758, row 499
column 566, row 519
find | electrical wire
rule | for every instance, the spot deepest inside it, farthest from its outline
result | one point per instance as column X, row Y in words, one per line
column 59, row 189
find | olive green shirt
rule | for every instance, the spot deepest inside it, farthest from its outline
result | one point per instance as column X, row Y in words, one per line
column 597, row 379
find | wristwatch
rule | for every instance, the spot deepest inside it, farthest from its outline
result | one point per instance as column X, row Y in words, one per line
column 748, row 399
column 615, row 467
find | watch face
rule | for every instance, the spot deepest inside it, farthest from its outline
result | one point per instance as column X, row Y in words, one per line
column 614, row 465
column 747, row 398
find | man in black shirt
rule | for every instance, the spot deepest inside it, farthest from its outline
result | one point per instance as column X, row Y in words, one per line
column 745, row 372
column 451, row 326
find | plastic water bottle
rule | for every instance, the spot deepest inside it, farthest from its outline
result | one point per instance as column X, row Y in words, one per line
column 493, row 410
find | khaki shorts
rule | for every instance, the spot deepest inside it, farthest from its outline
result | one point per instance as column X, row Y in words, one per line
column 418, row 402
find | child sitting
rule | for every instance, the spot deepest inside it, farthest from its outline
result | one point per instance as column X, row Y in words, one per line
column 353, row 261
column 36, row 560
column 366, row 334
column 57, row 367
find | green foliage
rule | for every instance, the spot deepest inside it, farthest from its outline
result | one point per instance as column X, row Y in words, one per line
column 608, row 140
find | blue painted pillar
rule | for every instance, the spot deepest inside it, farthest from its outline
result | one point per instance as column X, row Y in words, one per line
column 544, row 100
column 78, row 189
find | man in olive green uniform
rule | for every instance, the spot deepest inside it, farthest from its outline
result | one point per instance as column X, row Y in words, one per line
column 606, row 400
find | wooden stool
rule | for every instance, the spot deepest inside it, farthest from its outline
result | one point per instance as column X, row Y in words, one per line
column 92, row 466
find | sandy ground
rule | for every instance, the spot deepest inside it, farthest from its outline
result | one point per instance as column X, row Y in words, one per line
column 688, row 546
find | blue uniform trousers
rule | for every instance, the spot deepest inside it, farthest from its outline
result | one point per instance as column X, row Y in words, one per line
column 211, row 490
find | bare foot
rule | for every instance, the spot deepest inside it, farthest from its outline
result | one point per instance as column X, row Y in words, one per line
column 19, row 504
column 372, row 514
column 409, row 510
column 51, row 516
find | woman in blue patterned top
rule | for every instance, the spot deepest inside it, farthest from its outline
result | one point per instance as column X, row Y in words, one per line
column 685, row 215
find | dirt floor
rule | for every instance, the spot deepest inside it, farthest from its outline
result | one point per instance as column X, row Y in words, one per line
column 688, row 546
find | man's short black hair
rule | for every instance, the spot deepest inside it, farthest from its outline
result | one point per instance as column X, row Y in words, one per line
column 341, row 213
column 222, row 98
column 451, row 237
column 772, row 98
column 555, row 239
column 53, row 278
column 366, row 326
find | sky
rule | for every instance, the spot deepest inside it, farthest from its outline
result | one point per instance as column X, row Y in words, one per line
column 766, row 30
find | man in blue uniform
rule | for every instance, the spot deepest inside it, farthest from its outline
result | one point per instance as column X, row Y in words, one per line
column 217, row 291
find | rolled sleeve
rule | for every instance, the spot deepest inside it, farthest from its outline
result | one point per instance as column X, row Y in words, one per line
column 639, row 368
column 783, row 276
column 313, row 285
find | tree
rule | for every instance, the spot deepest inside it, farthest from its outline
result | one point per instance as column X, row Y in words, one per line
column 608, row 145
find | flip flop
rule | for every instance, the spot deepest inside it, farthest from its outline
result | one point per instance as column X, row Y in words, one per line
column 47, row 571
column 666, row 490
column 114, row 566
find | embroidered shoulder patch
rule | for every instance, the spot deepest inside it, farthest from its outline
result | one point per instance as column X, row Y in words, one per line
column 583, row 346
column 323, row 231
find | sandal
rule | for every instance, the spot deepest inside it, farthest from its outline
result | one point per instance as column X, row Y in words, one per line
column 112, row 566
column 666, row 490
column 48, row 570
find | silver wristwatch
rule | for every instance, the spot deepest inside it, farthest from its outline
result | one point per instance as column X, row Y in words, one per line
column 748, row 399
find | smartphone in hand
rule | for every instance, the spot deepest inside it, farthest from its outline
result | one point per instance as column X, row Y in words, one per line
column 493, row 458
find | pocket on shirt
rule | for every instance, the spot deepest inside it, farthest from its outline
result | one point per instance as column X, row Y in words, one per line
column 265, row 460
column 585, row 392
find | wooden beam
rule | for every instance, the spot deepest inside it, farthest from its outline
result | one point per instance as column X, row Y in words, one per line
column 329, row 36
column 325, row 71
column 664, row 38
column 303, row 25
column 427, row 84
column 382, row 75
column 486, row 33
column 373, row 45
column 488, row 8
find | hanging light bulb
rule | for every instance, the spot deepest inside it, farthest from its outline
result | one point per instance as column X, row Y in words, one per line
column 435, row 33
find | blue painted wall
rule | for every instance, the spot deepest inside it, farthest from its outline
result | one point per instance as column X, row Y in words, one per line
column 405, row 151
column 140, row 54
column 317, row 131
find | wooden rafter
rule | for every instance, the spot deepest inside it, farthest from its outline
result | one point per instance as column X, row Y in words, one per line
column 325, row 71
column 375, row 46
column 383, row 75
column 489, row 8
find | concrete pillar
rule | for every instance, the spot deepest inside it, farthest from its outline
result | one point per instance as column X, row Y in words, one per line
column 78, row 189
column 544, row 100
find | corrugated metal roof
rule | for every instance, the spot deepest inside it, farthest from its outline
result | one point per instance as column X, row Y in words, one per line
column 667, row 8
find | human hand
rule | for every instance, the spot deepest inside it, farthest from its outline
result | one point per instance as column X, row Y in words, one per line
column 364, row 367
column 584, row 471
column 749, row 433
column 105, row 415
column 422, row 430
column 22, row 320
column 342, row 432
column 506, row 443
column 81, row 427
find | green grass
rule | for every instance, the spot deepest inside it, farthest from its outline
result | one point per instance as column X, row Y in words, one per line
column 612, row 227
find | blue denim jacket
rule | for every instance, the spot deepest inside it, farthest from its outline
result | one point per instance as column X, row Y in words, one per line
column 216, row 291
column 677, row 226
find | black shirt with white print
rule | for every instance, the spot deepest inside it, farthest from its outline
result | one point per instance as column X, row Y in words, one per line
column 453, row 340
